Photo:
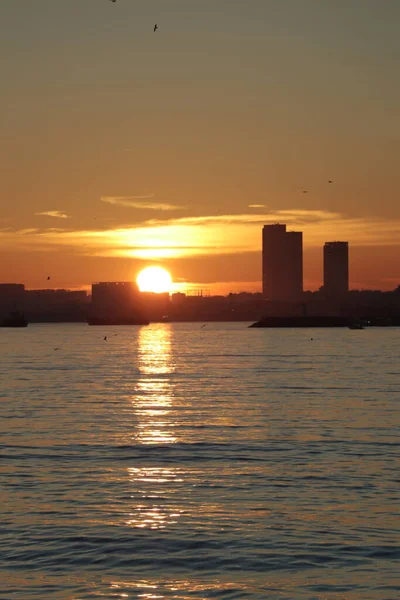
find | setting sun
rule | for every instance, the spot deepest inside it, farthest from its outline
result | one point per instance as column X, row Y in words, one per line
column 154, row 279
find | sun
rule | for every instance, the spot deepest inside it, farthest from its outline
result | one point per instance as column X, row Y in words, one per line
column 154, row 279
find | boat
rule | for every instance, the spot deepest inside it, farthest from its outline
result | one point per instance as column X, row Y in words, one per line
column 304, row 321
column 15, row 319
column 356, row 326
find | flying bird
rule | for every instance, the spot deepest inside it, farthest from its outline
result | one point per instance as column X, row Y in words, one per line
column 330, row 181
column 105, row 338
column 48, row 279
column 155, row 27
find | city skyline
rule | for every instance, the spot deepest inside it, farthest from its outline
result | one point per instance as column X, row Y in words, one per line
column 122, row 149
column 281, row 276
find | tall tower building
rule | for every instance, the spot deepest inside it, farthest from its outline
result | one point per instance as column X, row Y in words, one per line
column 282, row 263
column 336, row 268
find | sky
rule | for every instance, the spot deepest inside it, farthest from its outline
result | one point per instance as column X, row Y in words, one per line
column 122, row 148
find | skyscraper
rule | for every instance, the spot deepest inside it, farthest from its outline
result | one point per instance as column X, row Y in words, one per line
column 282, row 263
column 336, row 268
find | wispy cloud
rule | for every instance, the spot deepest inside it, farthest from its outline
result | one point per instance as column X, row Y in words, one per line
column 256, row 205
column 208, row 235
column 140, row 202
column 27, row 231
column 126, row 198
column 57, row 214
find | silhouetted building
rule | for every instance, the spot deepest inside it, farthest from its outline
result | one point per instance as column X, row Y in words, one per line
column 11, row 298
column 122, row 303
column 117, row 303
column 282, row 263
column 336, row 269
column 55, row 305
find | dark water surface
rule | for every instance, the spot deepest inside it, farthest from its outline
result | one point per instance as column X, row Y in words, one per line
column 172, row 461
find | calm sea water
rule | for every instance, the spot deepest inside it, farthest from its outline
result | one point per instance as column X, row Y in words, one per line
column 180, row 461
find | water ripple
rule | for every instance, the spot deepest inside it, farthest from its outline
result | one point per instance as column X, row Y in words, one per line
column 239, row 465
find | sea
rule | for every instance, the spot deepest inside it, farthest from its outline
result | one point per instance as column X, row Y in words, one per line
column 199, row 460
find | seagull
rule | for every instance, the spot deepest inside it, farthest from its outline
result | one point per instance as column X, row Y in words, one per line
column 48, row 279
column 56, row 349
column 305, row 191
column 105, row 338
column 203, row 326
column 330, row 181
column 155, row 27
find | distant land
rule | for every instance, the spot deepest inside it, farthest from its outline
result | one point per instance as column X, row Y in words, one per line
column 63, row 306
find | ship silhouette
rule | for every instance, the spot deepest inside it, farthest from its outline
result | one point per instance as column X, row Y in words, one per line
column 15, row 319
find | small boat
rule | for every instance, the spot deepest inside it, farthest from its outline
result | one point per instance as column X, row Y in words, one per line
column 356, row 326
column 15, row 319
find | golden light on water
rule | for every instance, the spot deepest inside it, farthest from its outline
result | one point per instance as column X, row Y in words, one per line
column 154, row 484
column 154, row 396
column 153, row 404
column 154, row 279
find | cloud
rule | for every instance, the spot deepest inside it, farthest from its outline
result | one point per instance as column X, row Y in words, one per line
column 114, row 199
column 207, row 235
column 256, row 205
column 57, row 214
column 27, row 231
column 140, row 202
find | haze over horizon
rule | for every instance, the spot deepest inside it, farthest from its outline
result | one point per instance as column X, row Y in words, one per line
column 123, row 148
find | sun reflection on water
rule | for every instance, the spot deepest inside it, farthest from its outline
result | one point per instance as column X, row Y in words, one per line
column 156, row 486
column 155, row 489
column 153, row 396
column 184, row 589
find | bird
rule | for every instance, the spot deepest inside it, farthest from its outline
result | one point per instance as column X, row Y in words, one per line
column 105, row 338
column 305, row 191
column 155, row 27
column 330, row 181
column 203, row 326
column 56, row 349
column 48, row 279
column 113, row 0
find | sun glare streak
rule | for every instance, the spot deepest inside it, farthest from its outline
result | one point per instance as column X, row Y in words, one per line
column 151, row 253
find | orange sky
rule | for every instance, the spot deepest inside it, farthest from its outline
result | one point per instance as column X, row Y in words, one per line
column 122, row 148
